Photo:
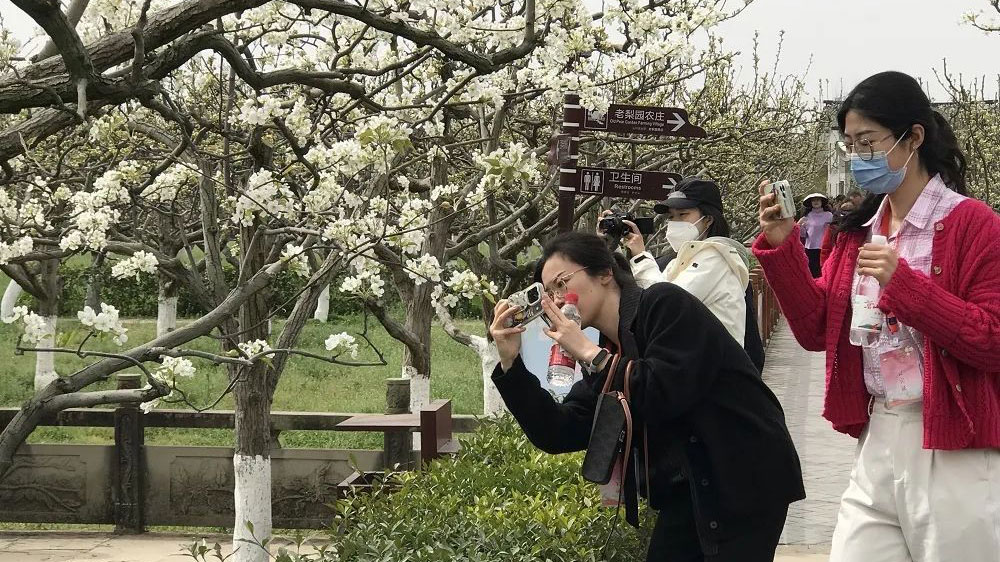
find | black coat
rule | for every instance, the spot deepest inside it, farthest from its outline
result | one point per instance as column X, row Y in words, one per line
column 715, row 431
column 752, row 343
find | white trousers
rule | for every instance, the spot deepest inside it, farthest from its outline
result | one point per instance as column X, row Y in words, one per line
column 909, row 504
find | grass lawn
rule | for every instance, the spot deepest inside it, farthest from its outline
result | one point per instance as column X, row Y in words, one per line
column 306, row 385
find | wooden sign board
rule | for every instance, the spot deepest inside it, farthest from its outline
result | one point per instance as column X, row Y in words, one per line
column 643, row 120
column 630, row 184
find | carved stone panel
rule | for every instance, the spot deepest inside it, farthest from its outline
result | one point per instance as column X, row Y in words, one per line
column 194, row 485
column 59, row 484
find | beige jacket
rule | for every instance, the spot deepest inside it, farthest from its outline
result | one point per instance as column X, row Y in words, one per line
column 715, row 270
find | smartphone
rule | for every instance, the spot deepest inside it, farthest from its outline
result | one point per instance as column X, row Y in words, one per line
column 529, row 303
column 783, row 195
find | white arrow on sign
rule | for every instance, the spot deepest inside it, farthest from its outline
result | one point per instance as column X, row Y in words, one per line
column 673, row 182
column 677, row 122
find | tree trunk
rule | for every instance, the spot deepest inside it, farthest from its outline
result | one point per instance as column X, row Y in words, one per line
column 323, row 306
column 45, row 361
column 95, row 281
column 166, row 308
column 10, row 296
column 488, row 358
column 253, row 396
column 420, row 312
column 48, row 308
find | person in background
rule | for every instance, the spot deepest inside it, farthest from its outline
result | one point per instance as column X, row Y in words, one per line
column 704, row 261
column 704, row 408
column 816, row 215
column 856, row 197
column 922, row 397
column 832, row 231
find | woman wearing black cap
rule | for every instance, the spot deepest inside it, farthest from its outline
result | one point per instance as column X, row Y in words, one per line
column 705, row 261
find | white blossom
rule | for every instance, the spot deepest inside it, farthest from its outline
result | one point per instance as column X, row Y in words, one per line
column 135, row 265
column 263, row 193
column 298, row 263
column 255, row 347
column 424, row 268
column 366, row 282
column 20, row 247
column 173, row 367
column 259, row 111
column 105, row 322
column 35, row 327
column 513, row 165
column 298, row 120
column 342, row 342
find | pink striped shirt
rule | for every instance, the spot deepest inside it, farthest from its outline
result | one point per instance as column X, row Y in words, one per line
column 913, row 241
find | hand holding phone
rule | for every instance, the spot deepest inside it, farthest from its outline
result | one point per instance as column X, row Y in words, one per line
column 783, row 197
column 775, row 222
column 529, row 304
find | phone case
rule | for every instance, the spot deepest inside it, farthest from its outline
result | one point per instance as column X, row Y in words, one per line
column 783, row 191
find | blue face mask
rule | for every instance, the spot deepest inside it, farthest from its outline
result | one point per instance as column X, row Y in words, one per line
column 875, row 176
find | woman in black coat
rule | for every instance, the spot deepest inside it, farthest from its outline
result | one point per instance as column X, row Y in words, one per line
column 722, row 466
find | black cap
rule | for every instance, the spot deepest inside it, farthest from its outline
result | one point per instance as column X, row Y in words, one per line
column 689, row 193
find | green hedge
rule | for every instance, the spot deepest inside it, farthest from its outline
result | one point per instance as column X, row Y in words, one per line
column 499, row 500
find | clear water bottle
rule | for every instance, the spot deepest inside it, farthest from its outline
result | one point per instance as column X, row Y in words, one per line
column 866, row 318
column 562, row 366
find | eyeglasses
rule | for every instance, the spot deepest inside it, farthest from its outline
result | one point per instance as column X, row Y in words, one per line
column 560, row 283
column 863, row 148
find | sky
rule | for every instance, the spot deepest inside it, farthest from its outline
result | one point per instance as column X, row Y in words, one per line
column 836, row 43
column 841, row 42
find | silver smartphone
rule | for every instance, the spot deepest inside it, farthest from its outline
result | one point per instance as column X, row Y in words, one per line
column 783, row 195
column 529, row 304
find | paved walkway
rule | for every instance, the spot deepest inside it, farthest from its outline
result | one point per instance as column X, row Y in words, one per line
column 797, row 377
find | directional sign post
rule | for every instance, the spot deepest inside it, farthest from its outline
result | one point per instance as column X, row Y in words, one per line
column 630, row 184
column 643, row 120
column 612, row 182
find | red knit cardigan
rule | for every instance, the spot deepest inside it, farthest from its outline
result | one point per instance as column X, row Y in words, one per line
column 957, row 309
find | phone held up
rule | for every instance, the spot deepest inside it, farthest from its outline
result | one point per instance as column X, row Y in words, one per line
column 783, row 196
column 529, row 305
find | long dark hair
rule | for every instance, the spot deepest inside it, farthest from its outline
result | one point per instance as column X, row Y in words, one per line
column 719, row 226
column 591, row 252
column 896, row 101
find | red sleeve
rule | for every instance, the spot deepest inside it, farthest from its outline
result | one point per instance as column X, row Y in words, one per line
column 827, row 246
column 802, row 298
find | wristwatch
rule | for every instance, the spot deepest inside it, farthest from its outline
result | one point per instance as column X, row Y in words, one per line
column 594, row 365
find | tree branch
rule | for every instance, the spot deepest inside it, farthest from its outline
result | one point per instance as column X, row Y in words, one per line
column 49, row 16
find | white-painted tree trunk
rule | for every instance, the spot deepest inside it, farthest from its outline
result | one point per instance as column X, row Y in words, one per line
column 252, row 495
column 45, row 361
column 10, row 296
column 488, row 357
column 323, row 306
column 420, row 395
column 166, row 314
column 493, row 404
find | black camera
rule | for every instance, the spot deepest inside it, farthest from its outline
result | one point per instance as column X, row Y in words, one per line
column 614, row 227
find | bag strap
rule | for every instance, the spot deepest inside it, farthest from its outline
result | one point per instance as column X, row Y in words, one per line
column 645, row 432
column 611, row 373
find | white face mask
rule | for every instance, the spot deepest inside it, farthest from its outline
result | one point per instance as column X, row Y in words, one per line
column 682, row 232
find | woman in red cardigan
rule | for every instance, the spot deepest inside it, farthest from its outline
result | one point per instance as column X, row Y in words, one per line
column 921, row 390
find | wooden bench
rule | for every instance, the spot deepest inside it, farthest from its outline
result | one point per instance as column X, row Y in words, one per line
column 434, row 422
